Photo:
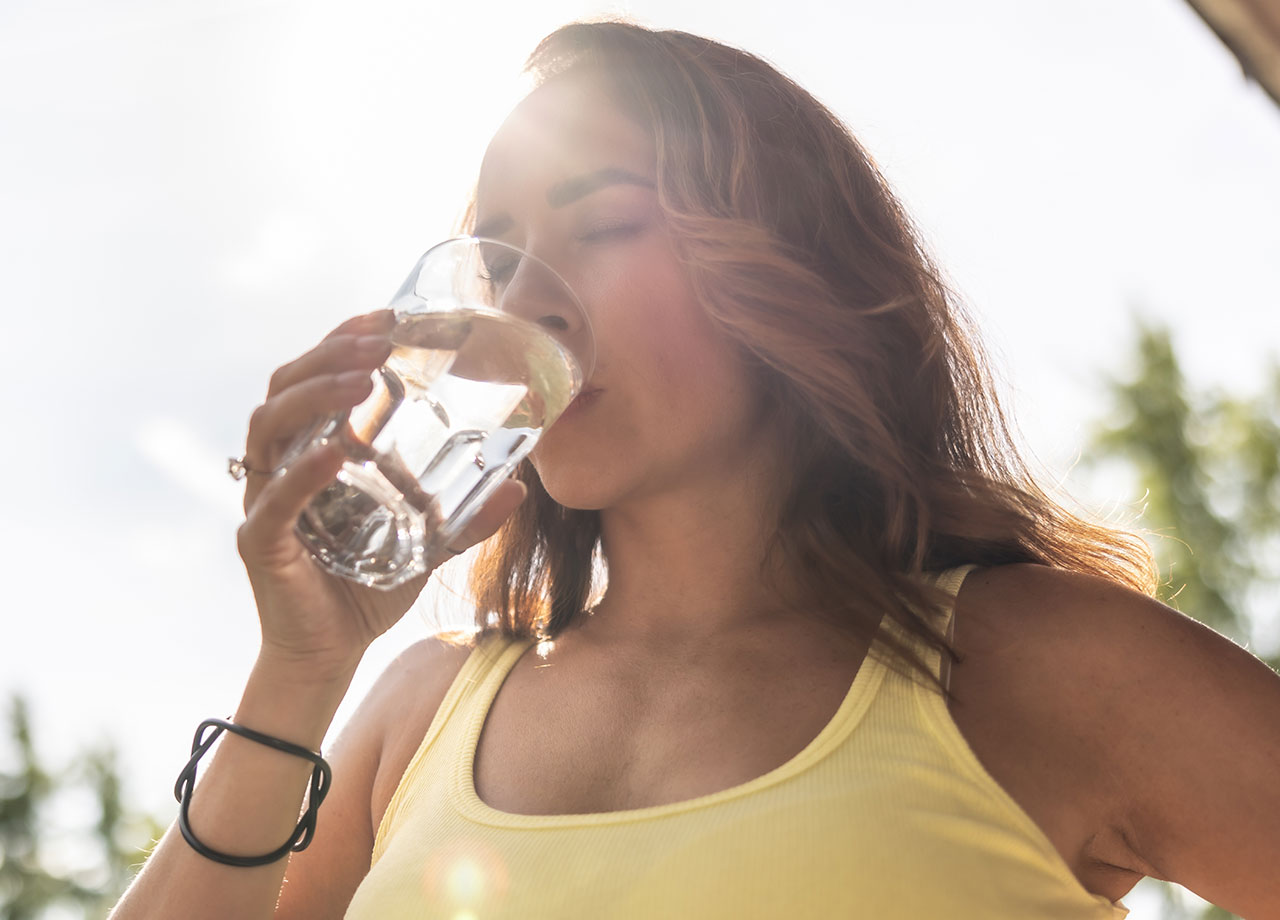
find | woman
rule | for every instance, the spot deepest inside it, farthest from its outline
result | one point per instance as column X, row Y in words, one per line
column 848, row 661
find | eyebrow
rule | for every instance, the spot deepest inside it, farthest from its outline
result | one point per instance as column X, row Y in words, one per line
column 568, row 191
column 562, row 193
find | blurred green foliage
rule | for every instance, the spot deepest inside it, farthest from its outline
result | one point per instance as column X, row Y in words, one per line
column 1208, row 464
column 50, row 861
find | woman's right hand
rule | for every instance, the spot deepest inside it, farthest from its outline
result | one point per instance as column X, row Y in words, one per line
column 310, row 617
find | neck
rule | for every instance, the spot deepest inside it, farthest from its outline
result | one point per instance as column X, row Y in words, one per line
column 690, row 564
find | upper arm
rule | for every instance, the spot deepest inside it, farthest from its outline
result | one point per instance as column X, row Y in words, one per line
column 1200, row 759
column 367, row 760
column 1180, row 727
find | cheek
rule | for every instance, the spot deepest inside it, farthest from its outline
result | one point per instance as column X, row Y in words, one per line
column 690, row 359
column 673, row 385
column 649, row 322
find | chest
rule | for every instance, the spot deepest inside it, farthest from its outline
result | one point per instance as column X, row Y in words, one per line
column 563, row 737
column 602, row 740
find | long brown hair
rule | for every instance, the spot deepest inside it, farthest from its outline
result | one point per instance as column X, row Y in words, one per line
column 902, row 461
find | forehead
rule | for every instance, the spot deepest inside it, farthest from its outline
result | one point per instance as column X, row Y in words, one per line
column 564, row 128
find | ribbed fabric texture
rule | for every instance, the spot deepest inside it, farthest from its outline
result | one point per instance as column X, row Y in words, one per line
column 886, row 814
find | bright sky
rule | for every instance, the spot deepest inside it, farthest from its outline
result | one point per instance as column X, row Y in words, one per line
column 192, row 193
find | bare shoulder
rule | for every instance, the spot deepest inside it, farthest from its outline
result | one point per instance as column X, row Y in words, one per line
column 1086, row 647
column 1027, row 605
column 400, row 706
column 1089, row 636
column 1166, row 733
column 377, row 743
column 419, row 677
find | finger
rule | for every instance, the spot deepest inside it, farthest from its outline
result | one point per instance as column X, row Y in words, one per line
column 266, row 537
column 365, row 324
column 278, row 422
column 254, row 484
column 491, row 516
column 335, row 354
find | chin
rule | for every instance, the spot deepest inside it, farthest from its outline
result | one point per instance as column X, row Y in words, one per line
column 585, row 468
column 572, row 479
column 564, row 466
column 576, row 492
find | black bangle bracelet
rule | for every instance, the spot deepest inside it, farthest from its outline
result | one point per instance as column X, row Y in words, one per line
column 302, row 834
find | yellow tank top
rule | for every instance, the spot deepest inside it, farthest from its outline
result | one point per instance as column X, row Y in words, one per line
column 886, row 814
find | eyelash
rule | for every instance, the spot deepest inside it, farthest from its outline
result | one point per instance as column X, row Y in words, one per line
column 500, row 272
column 609, row 228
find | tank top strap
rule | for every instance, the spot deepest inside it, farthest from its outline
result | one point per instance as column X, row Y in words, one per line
column 485, row 661
column 488, row 662
column 948, row 581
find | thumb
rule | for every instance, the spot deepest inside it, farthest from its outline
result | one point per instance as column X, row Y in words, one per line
column 491, row 516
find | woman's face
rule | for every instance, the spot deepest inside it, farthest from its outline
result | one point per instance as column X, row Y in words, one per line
column 571, row 179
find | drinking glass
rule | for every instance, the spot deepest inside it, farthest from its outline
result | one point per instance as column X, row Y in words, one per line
column 489, row 347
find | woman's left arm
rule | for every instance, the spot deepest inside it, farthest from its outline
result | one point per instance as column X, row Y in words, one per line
column 1201, row 758
column 1192, row 738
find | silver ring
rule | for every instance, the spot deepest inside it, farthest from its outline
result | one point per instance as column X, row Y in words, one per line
column 237, row 468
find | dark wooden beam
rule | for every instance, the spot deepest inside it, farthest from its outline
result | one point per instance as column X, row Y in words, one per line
column 1251, row 31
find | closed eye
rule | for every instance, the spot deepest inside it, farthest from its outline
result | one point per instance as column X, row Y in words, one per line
column 500, row 269
column 609, row 229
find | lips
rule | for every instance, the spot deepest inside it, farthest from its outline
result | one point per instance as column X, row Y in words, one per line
column 582, row 400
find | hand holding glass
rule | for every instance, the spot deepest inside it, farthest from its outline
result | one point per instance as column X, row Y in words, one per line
column 489, row 346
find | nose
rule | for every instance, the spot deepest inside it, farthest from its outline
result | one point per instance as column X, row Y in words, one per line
column 525, row 286
column 537, row 294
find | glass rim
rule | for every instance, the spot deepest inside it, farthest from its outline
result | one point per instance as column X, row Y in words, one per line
column 476, row 242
